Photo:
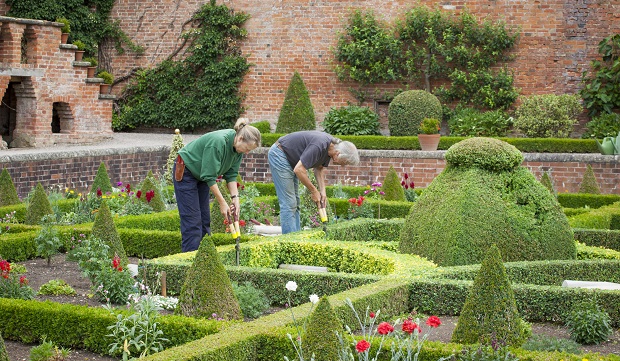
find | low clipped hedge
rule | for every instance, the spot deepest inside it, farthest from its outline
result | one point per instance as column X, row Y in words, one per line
column 609, row 239
column 605, row 217
column 366, row 230
column 85, row 327
column 161, row 221
column 581, row 200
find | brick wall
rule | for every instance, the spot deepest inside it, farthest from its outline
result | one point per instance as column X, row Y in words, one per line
column 77, row 169
column 558, row 40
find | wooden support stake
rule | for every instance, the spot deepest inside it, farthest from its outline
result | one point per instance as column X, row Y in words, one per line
column 163, row 283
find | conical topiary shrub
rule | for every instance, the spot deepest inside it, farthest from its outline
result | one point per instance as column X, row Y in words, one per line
column 4, row 356
column 105, row 230
column 392, row 188
column 101, row 181
column 320, row 338
column 38, row 206
column 207, row 289
column 589, row 183
column 548, row 183
column 490, row 308
column 155, row 201
column 217, row 220
column 177, row 144
column 8, row 193
column 297, row 112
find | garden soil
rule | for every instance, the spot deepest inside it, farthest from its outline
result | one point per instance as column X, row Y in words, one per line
column 38, row 273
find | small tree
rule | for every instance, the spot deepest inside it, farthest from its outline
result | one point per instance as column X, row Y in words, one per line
column 105, row 230
column 8, row 193
column 154, row 199
column 297, row 112
column 102, row 180
column 589, row 183
column 392, row 187
column 177, row 144
column 38, row 206
column 490, row 307
column 548, row 183
column 321, row 338
column 207, row 290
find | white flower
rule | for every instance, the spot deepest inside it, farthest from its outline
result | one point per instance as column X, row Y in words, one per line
column 314, row 299
column 291, row 286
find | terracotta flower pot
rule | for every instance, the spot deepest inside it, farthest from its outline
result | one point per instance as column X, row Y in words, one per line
column 104, row 88
column 64, row 37
column 429, row 142
column 78, row 55
column 90, row 71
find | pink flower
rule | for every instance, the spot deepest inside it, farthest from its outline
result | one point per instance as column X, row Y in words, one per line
column 385, row 328
column 433, row 321
column 362, row 346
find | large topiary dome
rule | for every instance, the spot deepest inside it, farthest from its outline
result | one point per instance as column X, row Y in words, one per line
column 484, row 196
column 409, row 108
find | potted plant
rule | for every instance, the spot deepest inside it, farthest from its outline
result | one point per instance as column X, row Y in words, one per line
column 429, row 138
column 90, row 71
column 65, row 30
column 108, row 79
column 79, row 53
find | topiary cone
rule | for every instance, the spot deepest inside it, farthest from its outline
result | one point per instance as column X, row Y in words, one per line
column 38, row 206
column 548, row 183
column 105, row 230
column 320, row 338
column 392, row 188
column 102, row 180
column 297, row 112
column 490, row 307
column 207, row 289
column 589, row 183
column 8, row 193
column 4, row 356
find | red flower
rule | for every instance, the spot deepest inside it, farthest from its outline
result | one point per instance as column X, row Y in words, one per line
column 139, row 194
column 362, row 346
column 403, row 183
column 99, row 193
column 410, row 326
column 23, row 281
column 128, row 187
column 406, row 186
column 226, row 221
column 372, row 315
column 5, row 266
column 433, row 321
column 412, row 185
column 242, row 223
column 149, row 195
column 116, row 263
column 352, row 200
column 385, row 328
column 406, row 175
column 360, row 200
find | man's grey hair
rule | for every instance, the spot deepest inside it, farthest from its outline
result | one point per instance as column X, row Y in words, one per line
column 348, row 152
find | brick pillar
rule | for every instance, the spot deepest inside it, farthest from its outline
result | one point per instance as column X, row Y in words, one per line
column 11, row 37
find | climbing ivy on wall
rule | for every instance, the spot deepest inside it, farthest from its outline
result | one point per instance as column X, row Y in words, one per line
column 202, row 89
column 89, row 19
column 431, row 47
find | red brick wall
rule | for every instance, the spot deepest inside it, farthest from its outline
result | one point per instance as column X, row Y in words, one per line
column 558, row 40
column 78, row 170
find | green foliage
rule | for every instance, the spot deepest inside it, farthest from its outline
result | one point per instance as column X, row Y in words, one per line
column 199, row 91
column 409, row 108
column 367, row 230
column 3, row 354
column 588, row 183
column 391, row 186
column 80, row 44
column 548, row 183
column 297, row 112
column 252, row 301
column 207, row 289
column 579, row 200
column 102, row 180
column 470, row 122
column 47, row 241
column 548, row 115
column 106, row 76
column 549, row 344
column 8, row 193
column 47, row 351
column 493, row 350
column 92, row 60
column 470, row 206
column 105, row 230
column 490, row 308
column 351, row 120
column 430, row 126
column 177, row 144
column 56, row 287
column 600, row 90
column 263, row 126
column 66, row 28
column 150, row 185
column 603, row 125
column 588, row 323
column 320, row 338
column 90, row 21
column 38, row 206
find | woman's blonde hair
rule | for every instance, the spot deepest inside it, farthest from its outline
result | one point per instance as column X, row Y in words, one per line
column 248, row 133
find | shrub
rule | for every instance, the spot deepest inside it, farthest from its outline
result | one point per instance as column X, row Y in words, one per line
column 351, row 120
column 38, row 206
column 151, row 194
column 263, row 126
column 47, row 351
column 252, row 301
column 66, row 27
column 430, row 126
column 469, row 122
column 480, row 199
column 105, row 230
column 547, row 116
column 588, row 183
column 80, row 45
column 106, row 76
column 92, row 60
column 391, row 187
column 490, row 308
column 409, row 108
column 604, row 125
column 550, row 344
column 56, row 288
column 320, row 338
column 297, row 112
column 8, row 193
column 600, row 91
column 47, row 241
column 588, row 323
column 207, row 290
column 102, row 180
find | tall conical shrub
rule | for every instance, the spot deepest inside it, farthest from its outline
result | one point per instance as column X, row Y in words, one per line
column 490, row 307
column 392, row 188
column 105, row 230
column 102, row 180
column 589, row 183
column 320, row 338
column 8, row 193
column 177, row 144
column 297, row 112
column 150, row 184
column 207, row 289
column 4, row 356
column 548, row 183
column 38, row 206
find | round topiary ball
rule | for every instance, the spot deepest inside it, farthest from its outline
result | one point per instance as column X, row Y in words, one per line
column 409, row 108
column 485, row 153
